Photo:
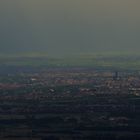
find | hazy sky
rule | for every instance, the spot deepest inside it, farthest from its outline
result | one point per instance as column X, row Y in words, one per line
column 69, row 26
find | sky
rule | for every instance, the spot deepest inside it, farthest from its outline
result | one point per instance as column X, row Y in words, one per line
column 65, row 27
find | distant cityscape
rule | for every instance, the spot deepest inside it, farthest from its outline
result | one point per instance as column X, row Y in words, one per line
column 69, row 69
column 70, row 104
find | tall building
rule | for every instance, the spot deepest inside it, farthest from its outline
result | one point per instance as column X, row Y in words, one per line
column 116, row 76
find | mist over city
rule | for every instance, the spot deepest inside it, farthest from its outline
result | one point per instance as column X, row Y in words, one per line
column 69, row 70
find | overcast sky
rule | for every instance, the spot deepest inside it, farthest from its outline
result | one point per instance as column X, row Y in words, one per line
column 60, row 27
